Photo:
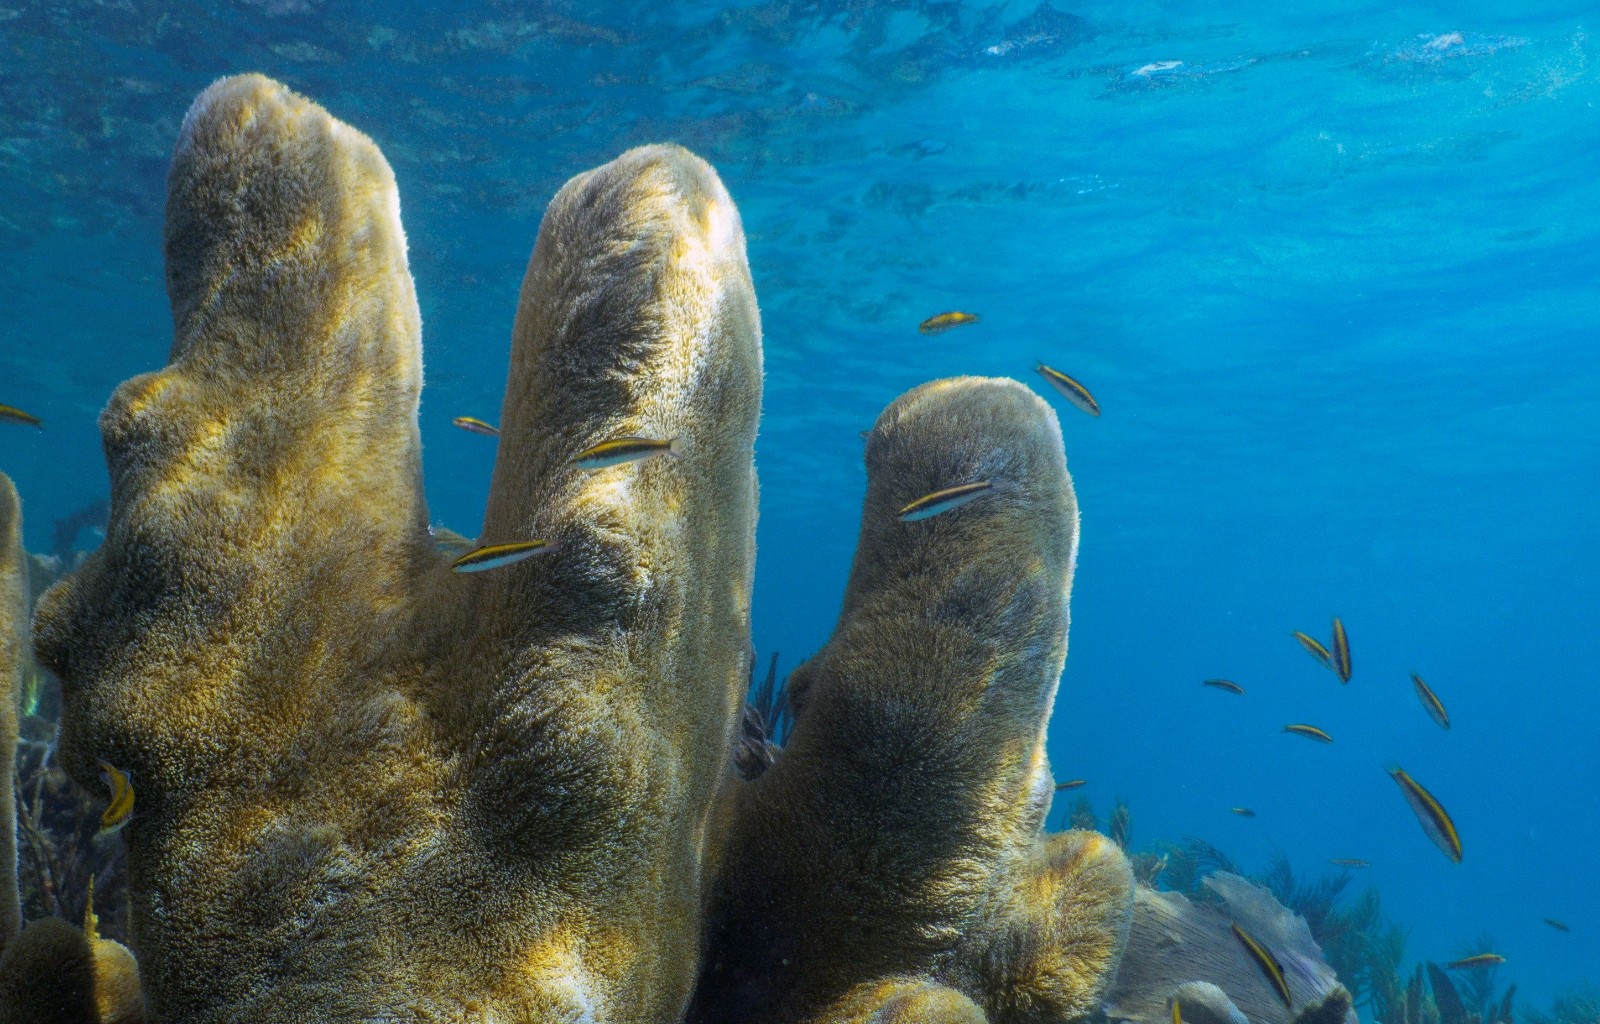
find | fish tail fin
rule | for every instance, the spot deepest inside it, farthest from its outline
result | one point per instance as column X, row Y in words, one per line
column 675, row 447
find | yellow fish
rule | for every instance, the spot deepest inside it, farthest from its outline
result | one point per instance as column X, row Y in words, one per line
column 1309, row 731
column 1314, row 648
column 1477, row 961
column 941, row 501
column 11, row 414
column 476, row 426
column 945, row 321
column 1071, row 784
column 624, row 449
column 1267, row 962
column 1430, row 702
column 493, row 556
column 1341, row 651
column 120, row 809
column 1070, row 389
column 1430, row 814
column 1223, row 684
column 1177, row 1015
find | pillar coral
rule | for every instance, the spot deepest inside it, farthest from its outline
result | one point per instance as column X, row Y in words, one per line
column 13, row 622
column 371, row 788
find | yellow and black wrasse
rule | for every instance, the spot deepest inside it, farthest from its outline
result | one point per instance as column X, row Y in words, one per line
column 1070, row 389
column 493, row 556
column 1477, row 961
column 1243, row 812
column 1340, row 650
column 11, row 414
column 943, row 500
column 1430, row 815
column 120, row 809
column 1559, row 926
column 625, row 449
column 946, row 321
column 1349, row 862
column 1070, row 784
column 1177, row 1015
column 474, row 425
column 1430, row 702
column 1267, row 962
column 1223, row 684
column 1314, row 648
column 1308, row 731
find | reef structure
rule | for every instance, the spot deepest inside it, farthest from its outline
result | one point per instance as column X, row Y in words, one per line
column 50, row 971
column 13, row 619
column 370, row 788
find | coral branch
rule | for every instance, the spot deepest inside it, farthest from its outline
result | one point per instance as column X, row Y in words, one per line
column 13, row 622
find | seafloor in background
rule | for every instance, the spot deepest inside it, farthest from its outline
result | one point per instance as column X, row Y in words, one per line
column 1329, row 272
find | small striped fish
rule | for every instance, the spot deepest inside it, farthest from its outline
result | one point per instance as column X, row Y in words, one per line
column 11, row 414
column 1308, row 731
column 1430, row 814
column 1071, row 784
column 1477, row 961
column 1340, row 651
column 1243, row 812
column 1314, row 648
column 946, row 321
column 1223, row 684
column 1267, row 962
column 941, row 501
column 624, row 449
column 493, row 556
column 474, row 425
column 1430, row 702
column 1070, row 389
column 1349, row 862
column 120, row 809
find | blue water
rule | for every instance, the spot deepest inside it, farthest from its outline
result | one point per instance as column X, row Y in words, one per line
column 1332, row 278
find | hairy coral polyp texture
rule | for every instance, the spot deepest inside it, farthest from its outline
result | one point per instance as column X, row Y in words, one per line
column 371, row 788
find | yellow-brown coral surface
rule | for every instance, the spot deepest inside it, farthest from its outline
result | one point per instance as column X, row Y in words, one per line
column 898, row 833
column 13, row 620
column 373, row 789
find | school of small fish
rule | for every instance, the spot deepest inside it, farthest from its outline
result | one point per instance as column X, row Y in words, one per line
column 1435, row 821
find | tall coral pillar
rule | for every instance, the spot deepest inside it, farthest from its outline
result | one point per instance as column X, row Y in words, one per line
column 13, row 623
column 370, row 787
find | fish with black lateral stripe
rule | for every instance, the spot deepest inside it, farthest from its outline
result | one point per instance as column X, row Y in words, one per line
column 1267, row 962
column 1339, row 650
column 944, row 500
column 1430, row 702
column 1430, row 815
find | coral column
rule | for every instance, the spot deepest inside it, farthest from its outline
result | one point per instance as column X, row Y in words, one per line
column 13, row 624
